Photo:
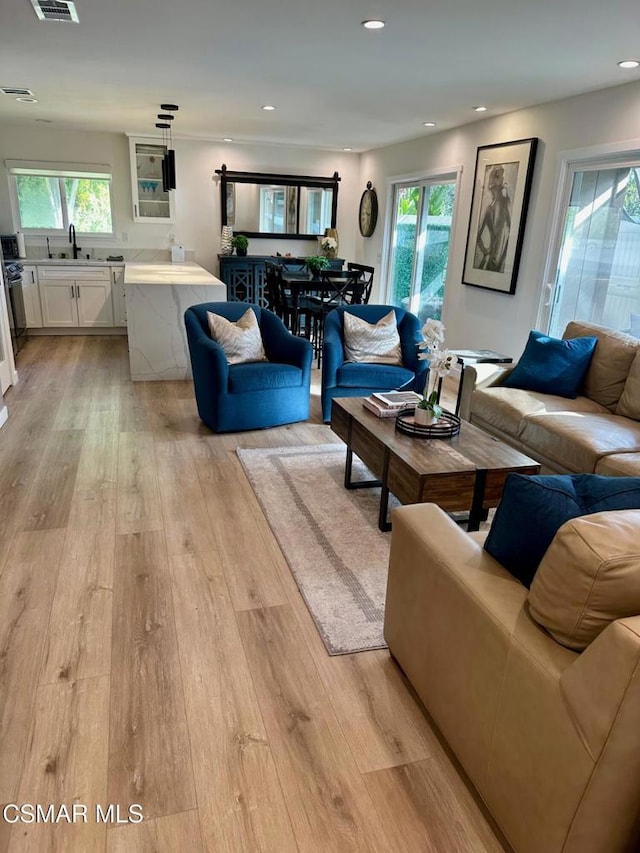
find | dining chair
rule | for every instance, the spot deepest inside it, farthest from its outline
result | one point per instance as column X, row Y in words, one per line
column 338, row 287
column 271, row 288
column 367, row 274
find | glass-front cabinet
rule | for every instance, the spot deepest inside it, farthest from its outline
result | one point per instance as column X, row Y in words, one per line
column 151, row 203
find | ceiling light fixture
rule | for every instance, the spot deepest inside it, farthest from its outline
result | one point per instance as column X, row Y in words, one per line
column 227, row 139
column 429, row 123
column 480, row 109
column 268, row 108
column 373, row 24
column 347, row 149
column 169, row 159
column 629, row 63
column 27, row 100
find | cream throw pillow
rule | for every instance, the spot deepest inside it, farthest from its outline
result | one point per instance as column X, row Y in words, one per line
column 378, row 343
column 629, row 403
column 588, row 577
column 241, row 341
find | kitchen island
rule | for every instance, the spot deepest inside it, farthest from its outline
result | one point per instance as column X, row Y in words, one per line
column 157, row 295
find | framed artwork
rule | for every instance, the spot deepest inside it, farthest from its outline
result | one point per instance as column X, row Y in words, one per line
column 502, row 184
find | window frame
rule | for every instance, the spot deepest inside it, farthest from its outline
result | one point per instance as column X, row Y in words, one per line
column 591, row 158
column 61, row 172
column 444, row 174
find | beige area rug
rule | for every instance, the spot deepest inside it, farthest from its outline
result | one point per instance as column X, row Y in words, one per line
column 329, row 537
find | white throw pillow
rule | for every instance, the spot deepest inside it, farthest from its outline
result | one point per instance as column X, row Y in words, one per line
column 377, row 343
column 241, row 341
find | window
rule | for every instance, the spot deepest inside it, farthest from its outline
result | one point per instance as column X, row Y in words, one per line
column 419, row 251
column 597, row 271
column 47, row 199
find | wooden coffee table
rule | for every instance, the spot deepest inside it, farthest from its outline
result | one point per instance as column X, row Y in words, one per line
column 465, row 473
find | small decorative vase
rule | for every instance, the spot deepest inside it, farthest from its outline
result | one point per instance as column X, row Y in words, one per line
column 424, row 417
column 225, row 240
column 241, row 253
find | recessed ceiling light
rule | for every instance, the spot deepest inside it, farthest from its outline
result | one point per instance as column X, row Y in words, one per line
column 374, row 24
column 27, row 100
column 347, row 149
column 45, row 120
column 429, row 123
column 268, row 108
column 227, row 139
column 480, row 109
column 629, row 63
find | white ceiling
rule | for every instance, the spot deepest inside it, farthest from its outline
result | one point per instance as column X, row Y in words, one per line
column 334, row 84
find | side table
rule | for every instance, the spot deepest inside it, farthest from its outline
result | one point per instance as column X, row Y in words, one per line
column 476, row 356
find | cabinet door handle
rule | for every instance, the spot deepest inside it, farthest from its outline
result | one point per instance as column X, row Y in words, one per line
column 114, row 276
column 78, row 290
column 135, row 209
column 33, row 278
column 72, row 292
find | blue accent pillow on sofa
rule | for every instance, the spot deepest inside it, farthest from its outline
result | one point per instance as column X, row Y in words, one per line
column 551, row 365
column 533, row 508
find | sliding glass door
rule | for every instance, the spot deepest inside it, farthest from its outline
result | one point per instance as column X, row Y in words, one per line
column 419, row 251
column 597, row 271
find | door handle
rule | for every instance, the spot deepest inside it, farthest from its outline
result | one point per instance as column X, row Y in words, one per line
column 33, row 278
column 72, row 292
column 78, row 290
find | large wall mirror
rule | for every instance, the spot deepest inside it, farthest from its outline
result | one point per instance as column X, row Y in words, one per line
column 261, row 204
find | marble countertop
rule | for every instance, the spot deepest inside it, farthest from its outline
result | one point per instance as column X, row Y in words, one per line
column 69, row 262
column 168, row 273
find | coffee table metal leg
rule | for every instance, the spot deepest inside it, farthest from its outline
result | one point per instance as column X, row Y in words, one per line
column 359, row 484
column 383, row 523
column 475, row 516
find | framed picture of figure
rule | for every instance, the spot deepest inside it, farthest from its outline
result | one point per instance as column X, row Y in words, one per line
column 502, row 184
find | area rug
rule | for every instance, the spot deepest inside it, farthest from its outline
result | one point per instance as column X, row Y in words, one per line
column 329, row 537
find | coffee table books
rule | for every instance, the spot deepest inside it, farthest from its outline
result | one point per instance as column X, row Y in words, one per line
column 387, row 404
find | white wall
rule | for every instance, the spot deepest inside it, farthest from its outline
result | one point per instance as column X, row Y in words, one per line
column 479, row 318
column 197, row 224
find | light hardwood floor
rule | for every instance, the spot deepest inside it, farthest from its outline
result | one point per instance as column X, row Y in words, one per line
column 154, row 648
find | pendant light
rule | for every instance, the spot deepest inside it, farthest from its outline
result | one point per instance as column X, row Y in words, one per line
column 169, row 159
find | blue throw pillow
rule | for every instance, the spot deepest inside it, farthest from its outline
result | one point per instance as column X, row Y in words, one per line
column 533, row 508
column 552, row 366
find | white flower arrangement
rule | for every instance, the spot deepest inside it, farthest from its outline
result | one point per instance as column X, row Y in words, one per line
column 329, row 244
column 441, row 362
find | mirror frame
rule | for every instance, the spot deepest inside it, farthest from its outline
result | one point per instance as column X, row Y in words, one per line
column 264, row 178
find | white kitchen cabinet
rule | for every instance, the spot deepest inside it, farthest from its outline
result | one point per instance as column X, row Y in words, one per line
column 76, row 297
column 31, row 295
column 117, row 292
column 151, row 203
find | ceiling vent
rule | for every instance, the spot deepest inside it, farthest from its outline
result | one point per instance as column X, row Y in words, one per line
column 55, row 10
column 16, row 91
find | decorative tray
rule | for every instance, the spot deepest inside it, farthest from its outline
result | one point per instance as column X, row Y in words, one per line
column 448, row 425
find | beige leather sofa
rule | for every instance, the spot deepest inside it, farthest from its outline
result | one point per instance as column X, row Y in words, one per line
column 598, row 432
column 549, row 736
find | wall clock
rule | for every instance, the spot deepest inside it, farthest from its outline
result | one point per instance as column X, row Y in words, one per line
column 368, row 215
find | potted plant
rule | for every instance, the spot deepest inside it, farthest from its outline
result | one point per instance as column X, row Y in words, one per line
column 240, row 243
column 429, row 411
column 317, row 263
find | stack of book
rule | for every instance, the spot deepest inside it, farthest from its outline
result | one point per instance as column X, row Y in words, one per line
column 387, row 404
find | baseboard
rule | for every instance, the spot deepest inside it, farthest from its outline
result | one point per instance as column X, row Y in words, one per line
column 4, row 415
column 111, row 330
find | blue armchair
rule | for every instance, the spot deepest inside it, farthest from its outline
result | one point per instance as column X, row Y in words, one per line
column 347, row 379
column 254, row 395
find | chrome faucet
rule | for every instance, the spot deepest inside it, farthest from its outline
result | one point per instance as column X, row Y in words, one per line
column 72, row 240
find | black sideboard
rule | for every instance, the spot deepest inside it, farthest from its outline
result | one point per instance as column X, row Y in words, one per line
column 244, row 276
